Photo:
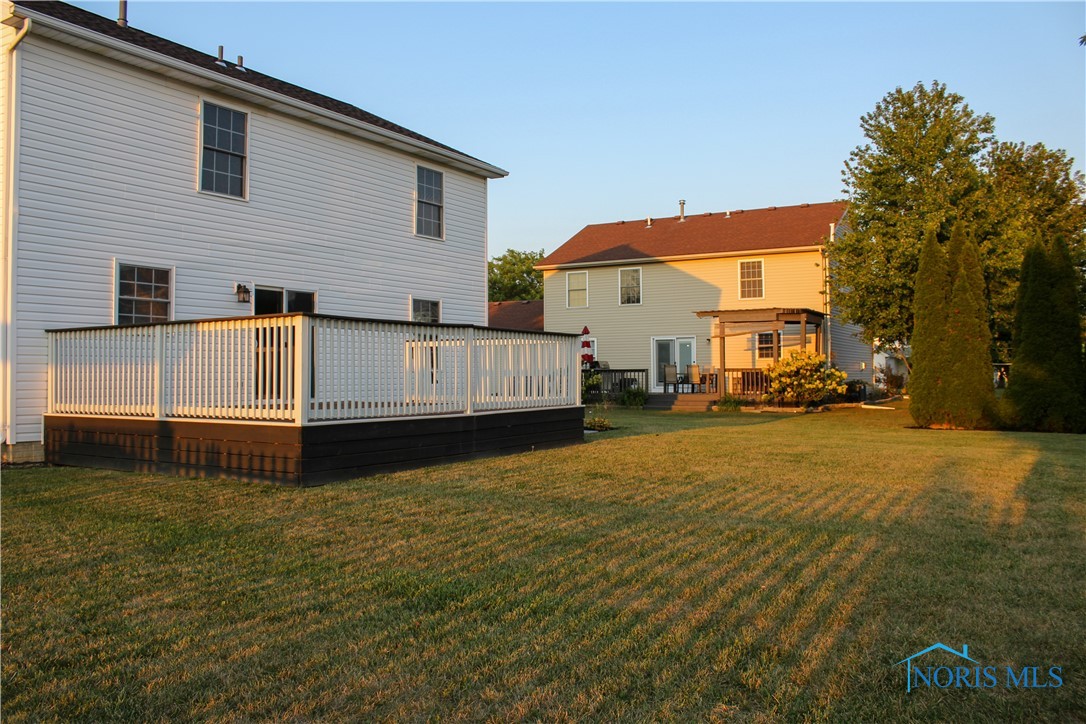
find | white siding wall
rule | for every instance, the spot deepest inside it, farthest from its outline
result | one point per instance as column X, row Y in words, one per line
column 109, row 159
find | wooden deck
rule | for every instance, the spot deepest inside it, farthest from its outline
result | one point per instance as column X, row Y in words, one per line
column 304, row 399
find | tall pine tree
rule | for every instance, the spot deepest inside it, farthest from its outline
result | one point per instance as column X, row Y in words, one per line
column 1066, row 412
column 969, row 395
column 1046, row 389
column 1031, row 385
column 929, row 339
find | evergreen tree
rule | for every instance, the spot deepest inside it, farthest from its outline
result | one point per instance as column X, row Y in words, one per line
column 929, row 340
column 1064, row 360
column 969, row 395
column 1031, row 385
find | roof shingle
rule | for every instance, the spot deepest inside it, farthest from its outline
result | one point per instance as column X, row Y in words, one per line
column 702, row 234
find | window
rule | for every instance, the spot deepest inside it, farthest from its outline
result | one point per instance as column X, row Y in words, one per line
column 765, row 345
column 274, row 300
column 576, row 289
column 430, row 204
column 143, row 294
column 222, row 169
column 629, row 286
column 750, row 279
column 425, row 310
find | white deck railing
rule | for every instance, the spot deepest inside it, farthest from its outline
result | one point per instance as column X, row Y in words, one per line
column 305, row 368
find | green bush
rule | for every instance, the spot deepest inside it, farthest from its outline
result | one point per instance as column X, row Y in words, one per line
column 804, row 379
column 729, row 403
column 634, row 397
column 590, row 387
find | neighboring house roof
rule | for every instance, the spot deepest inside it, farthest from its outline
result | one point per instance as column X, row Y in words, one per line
column 229, row 70
column 701, row 235
column 517, row 315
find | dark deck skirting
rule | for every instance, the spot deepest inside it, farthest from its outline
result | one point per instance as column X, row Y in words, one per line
column 308, row 455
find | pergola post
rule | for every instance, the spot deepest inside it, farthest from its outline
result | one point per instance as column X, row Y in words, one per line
column 802, row 332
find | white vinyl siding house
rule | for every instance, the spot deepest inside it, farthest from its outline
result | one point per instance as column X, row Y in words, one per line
column 305, row 203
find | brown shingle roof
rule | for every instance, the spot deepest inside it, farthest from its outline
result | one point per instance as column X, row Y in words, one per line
column 517, row 315
column 105, row 26
column 701, row 234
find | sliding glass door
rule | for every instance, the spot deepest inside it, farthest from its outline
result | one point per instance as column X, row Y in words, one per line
column 678, row 351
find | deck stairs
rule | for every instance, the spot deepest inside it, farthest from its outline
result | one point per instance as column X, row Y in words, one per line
column 685, row 402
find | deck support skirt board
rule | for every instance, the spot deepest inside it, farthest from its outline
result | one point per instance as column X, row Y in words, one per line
column 309, row 455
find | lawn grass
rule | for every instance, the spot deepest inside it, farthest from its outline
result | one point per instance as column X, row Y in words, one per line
column 730, row 567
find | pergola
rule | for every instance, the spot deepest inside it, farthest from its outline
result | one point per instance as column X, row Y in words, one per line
column 754, row 321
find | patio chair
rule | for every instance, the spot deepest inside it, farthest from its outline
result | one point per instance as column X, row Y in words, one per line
column 671, row 377
column 694, row 378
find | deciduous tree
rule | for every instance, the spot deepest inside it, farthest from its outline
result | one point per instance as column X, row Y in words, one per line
column 919, row 169
column 512, row 276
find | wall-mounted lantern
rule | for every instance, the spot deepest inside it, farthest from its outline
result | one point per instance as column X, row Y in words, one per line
column 244, row 294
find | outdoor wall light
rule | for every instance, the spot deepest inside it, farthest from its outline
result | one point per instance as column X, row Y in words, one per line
column 244, row 295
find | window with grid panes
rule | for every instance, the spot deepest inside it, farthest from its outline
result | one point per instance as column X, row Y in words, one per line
column 143, row 295
column 222, row 168
column 430, row 205
column 750, row 279
column 425, row 310
column 629, row 286
column 765, row 345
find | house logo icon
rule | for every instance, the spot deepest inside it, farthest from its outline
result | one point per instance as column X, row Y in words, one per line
column 964, row 654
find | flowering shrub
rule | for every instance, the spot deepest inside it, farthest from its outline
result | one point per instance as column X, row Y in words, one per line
column 804, row 378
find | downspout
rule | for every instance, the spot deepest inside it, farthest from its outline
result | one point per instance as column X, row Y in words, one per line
column 826, row 296
column 7, row 302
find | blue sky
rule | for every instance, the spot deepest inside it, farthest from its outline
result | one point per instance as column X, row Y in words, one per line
column 607, row 111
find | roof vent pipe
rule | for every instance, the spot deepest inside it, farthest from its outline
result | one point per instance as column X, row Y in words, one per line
column 682, row 209
column 648, row 222
column 122, row 14
column 241, row 64
column 220, row 61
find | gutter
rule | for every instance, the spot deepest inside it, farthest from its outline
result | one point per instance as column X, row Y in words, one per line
column 686, row 257
column 365, row 130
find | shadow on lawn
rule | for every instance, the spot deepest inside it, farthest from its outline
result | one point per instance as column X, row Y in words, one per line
column 693, row 589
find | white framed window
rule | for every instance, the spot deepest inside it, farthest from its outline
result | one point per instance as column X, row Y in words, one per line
column 430, row 203
column 224, row 142
column 425, row 310
column 277, row 300
column 144, row 294
column 629, row 286
column 576, row 289
column 751, row 279
column 765, row 342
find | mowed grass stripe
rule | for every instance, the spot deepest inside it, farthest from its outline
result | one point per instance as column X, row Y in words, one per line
column 741, row 567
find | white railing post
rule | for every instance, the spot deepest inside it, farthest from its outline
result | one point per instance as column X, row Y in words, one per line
column 575, row 375
column 50, row 404
column 303, row 358
column 469, row 377
column 158, row 385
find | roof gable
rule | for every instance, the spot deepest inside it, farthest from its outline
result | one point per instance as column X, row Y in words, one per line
column 709, row 234
column 104, row 26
